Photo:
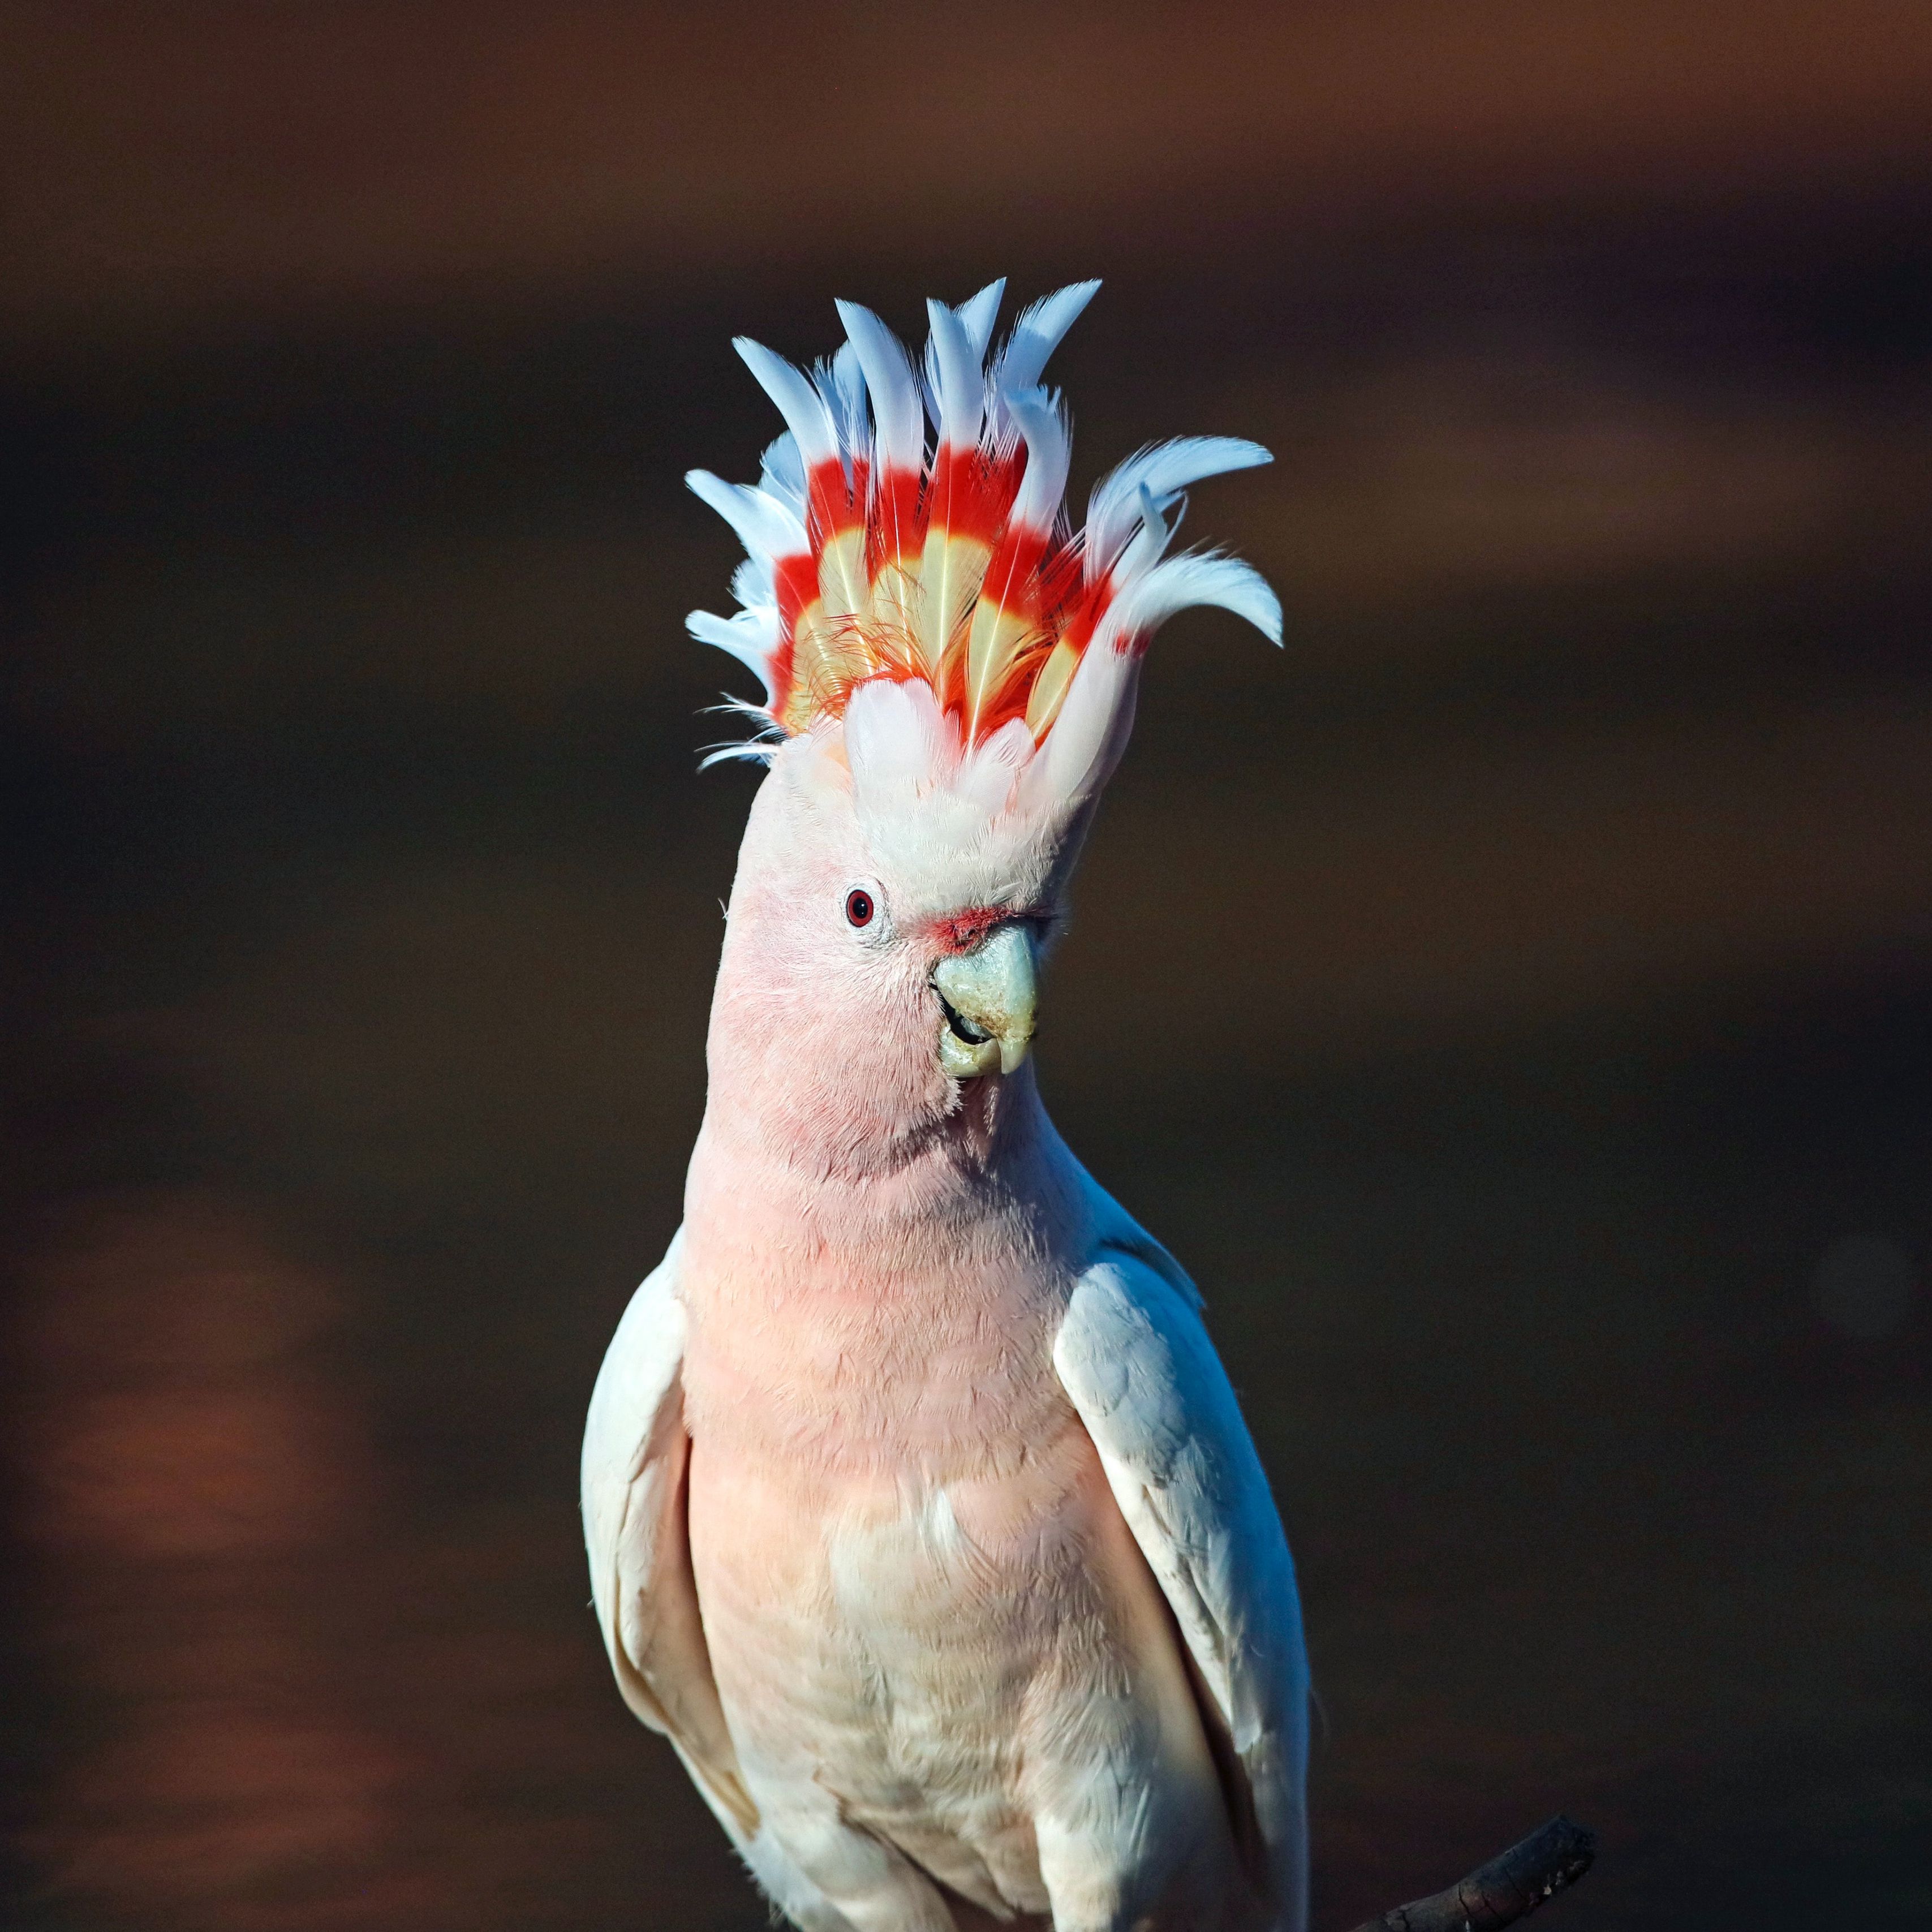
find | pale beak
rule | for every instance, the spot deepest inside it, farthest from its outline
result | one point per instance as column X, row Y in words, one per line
column 988, row 995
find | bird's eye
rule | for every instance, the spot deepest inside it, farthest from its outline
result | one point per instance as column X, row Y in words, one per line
column 859, row 906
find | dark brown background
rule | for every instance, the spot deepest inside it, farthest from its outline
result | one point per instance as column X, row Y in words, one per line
column 1509, row 1000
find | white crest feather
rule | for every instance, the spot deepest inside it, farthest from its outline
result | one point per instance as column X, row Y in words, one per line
column 928, row 591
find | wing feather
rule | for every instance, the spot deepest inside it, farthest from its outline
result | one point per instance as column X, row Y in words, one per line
column 1136, row 1361
column 636, row 1452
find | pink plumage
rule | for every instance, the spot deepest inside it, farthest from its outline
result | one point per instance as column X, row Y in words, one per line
column 922, row 1518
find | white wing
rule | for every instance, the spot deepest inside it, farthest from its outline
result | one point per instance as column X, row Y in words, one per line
column 635, row 1455
column 1135, row 1358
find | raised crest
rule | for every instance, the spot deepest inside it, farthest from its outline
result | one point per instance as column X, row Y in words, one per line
column 910, row 527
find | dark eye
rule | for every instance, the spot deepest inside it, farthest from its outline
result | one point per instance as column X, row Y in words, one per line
column 859, row 907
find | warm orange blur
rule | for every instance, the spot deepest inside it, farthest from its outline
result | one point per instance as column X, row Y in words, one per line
column 171, row 171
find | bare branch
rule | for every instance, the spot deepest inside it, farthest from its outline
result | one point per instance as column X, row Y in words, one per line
column 1503, row 1890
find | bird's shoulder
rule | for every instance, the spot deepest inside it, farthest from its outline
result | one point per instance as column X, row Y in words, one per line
column 1135, row 1359
column 639, row 1374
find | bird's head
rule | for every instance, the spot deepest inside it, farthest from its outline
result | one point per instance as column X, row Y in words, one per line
column 949, row 672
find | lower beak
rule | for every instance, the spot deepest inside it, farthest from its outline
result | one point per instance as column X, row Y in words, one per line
column 988, row 996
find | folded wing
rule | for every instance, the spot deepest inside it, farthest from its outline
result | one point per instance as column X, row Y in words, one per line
column 636, row 1454
column 1138, row 1365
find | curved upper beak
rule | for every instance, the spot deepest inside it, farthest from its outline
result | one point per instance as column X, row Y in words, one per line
column 989, row 995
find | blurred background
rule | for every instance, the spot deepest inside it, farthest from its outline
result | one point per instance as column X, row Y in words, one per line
column 1510, row 1000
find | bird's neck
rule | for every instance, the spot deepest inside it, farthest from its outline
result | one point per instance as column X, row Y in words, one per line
column 852, row 1312
column 788, row 1152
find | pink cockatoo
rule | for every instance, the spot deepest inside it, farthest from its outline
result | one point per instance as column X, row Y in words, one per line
column 922, row 1517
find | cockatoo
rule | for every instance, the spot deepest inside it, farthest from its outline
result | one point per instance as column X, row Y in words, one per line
column 922, row 1517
